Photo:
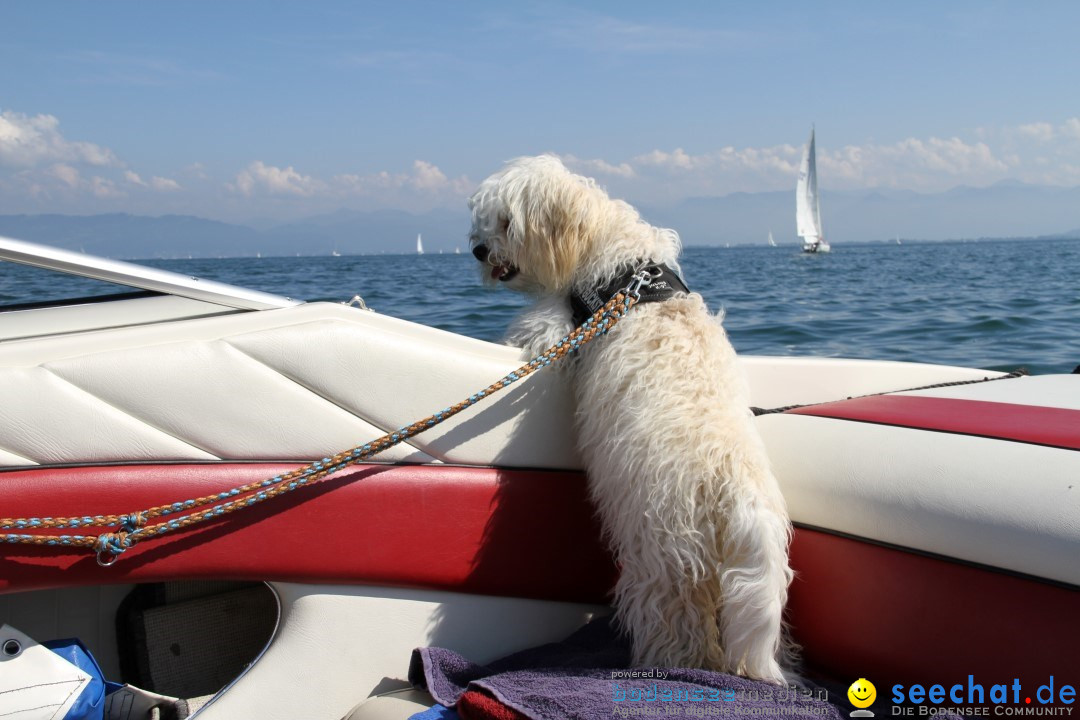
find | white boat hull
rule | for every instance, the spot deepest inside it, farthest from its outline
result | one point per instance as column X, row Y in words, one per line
column 818, row 247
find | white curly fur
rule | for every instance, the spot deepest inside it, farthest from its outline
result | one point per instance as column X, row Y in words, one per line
column 677, row 471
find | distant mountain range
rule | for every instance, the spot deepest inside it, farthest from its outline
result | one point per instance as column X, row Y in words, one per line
column 1001, row 210
column 120, row 235
column 1004, row 210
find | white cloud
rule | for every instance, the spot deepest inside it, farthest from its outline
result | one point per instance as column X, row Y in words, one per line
column 1071, row 128
column 598, row 167
column 260, row 177
column 1036, row 152
column 66, row 174
column 41, row 168
column 164, row 184
column 675, row 160
column 156, row 183
column 104, row 188
column 428, row 176
column 426, row 182
column 196, row 170
column 27, row 142
column 925, row 164
column 353, row 184
column 1043, row 132
column 62, row 180
column 1038, row 131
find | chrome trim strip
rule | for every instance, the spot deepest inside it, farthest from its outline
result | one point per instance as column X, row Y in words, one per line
column 139, row 276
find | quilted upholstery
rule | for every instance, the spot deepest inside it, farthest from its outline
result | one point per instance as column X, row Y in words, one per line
column 288, row 384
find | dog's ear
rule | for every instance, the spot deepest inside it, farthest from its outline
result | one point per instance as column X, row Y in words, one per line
column 553, row 227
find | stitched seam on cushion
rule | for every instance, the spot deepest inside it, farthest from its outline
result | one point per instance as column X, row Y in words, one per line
column 378, row 428
column 131, row 415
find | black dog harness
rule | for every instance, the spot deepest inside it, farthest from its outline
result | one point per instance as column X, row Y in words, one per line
column 664, row 285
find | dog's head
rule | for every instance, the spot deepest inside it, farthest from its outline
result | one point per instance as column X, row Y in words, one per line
column 534, row 223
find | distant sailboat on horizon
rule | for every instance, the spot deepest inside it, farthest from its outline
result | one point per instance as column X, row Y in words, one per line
column 772, row 243
column 808, row 204
column 419, row 245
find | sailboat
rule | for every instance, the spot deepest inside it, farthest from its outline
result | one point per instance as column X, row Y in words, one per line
column 419, row 245
column 772, row 243
column 808, row 205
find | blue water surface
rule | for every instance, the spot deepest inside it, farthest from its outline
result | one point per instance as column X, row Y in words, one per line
column 991, row 304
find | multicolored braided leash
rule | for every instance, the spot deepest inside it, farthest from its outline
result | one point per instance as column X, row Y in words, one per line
column 132, row 527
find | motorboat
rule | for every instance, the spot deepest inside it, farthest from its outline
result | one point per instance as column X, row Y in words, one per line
column 937, row 509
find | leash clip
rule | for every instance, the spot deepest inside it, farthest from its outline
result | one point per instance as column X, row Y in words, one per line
column 642, row 278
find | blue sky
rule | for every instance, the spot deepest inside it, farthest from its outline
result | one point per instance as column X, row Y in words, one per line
column 272, row 111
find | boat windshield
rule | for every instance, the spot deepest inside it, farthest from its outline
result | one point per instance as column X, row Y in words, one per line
column 23, row 287
column 91, row 276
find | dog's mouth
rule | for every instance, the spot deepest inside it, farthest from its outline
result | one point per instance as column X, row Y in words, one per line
column 504, row 273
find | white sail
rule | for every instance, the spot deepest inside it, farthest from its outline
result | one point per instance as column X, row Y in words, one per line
column 807, row 203
column 772, row 243
column 419, row 245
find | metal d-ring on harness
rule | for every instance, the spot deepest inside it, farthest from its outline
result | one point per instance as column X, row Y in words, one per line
column 132, row 527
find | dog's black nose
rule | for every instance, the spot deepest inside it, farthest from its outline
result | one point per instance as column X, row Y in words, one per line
column 480, row 252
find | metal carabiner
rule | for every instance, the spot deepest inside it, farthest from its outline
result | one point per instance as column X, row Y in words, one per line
column 642, row 278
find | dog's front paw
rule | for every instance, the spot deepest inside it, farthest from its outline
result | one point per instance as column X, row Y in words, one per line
column 539, row 327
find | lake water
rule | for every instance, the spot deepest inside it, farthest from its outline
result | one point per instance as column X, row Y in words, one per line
column 995, row 305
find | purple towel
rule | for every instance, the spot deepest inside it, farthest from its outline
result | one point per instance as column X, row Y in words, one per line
column 586, row 676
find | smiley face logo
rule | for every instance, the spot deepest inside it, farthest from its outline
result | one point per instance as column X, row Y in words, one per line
column 862, row 693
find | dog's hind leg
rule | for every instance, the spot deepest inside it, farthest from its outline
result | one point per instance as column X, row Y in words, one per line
column 755, row 582
column 672, row 619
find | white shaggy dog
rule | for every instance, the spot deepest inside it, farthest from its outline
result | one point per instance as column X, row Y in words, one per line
column 677, row 471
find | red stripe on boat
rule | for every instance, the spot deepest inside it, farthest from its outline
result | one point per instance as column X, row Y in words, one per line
column 858, row 608
column 862, row 610
column 1054, row 427
column 475, row 530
